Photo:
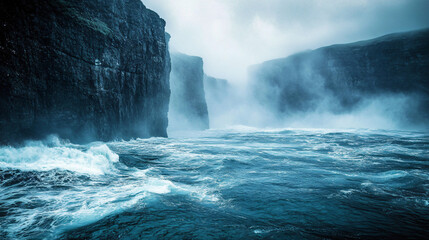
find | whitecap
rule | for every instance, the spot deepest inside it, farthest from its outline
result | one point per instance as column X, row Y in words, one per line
column 42, row 156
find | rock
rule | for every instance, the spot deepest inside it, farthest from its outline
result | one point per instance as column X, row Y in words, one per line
column 85, row 70
column 341, row 77
column 220, row 100
column 188, row 107
column 215, row 88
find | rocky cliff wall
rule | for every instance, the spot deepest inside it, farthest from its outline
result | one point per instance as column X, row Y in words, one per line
column 340, row 78
column 188, row 107
column 85, row 70
column 215, row 88
column 221, row 101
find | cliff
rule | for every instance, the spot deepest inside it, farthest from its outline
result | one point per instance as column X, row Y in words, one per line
column 219, row 96
column 85, row 70
column 188, row 107
column 340, row 78
column 216, row 89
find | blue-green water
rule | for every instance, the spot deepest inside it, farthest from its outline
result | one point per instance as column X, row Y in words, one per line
column 220, row 184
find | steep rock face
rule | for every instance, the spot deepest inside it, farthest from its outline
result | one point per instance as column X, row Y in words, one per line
column 342, row 76
column 85, row 70
column 219, row 96
column 188, row 107
column 215, row 88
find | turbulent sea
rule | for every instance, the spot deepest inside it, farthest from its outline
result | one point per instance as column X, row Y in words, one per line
column 237, row 183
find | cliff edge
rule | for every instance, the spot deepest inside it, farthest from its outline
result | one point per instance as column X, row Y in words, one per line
column 85, row 70
column 340, row 78
column 188, row 108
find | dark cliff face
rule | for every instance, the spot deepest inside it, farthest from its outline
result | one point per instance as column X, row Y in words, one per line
column 342, row 77
column 188, row 107
column 85, row 70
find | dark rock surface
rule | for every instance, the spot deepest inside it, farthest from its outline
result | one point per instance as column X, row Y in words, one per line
column 343, row 76
column 188, row 107
column 85, row 70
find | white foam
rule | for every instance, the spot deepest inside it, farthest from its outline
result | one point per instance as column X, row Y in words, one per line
column 87, row 200
column 39, row 156
column 86, row 203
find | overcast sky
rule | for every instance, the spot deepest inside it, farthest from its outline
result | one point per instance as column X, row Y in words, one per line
column 230, row 35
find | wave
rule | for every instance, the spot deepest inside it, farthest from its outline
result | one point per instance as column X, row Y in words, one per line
column 52, row 154
column 68, row 186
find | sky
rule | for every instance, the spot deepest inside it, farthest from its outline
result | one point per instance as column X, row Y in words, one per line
column 231, row 35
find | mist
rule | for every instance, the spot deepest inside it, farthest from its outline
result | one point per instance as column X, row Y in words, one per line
column 233, row 36
column 214, row 119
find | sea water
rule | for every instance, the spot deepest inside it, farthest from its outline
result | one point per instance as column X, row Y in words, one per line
column 238, row 183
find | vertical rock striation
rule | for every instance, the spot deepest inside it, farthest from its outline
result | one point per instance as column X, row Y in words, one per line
column 85, row 70
column 188, row 107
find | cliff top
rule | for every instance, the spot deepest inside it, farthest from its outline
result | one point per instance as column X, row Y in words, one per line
column 421, row 33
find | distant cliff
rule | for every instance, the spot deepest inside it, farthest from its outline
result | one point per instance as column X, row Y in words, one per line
column 221, row 101
column 216, row 88
column 85, row 70
column 340, row 77
column 188, row 107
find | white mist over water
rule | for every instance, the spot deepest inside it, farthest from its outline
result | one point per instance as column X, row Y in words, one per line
column 237, row 181
column 232, row 35
column 389, row 111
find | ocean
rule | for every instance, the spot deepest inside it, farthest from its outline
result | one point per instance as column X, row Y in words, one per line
column 236, row 183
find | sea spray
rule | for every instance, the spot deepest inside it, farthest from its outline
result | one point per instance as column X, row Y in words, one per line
column 46, row 156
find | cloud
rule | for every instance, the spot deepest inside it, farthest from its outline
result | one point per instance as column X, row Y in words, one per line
column 231, row 35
